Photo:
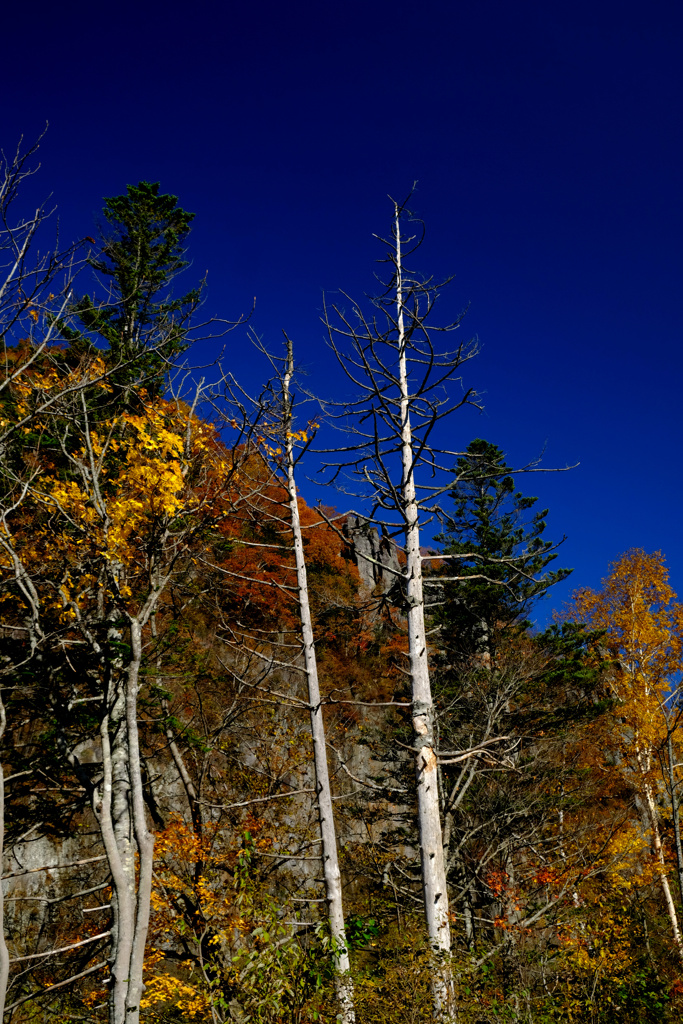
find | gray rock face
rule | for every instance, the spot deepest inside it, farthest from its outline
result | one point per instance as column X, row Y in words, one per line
column 375, row 553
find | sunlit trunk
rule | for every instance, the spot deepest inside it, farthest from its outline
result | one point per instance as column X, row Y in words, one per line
column 123, row 825
column 143, row 837
column 331, row 872
column 661, row 867
column 429, row 817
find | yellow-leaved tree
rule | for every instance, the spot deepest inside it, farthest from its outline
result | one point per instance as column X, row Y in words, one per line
column 105, row 505
column 643, row 633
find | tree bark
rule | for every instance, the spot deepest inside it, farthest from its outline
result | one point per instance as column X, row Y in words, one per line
column 143, row 837
column 114, row 821
column 429, row 817
column 661, row 866
column 331, row 872
column 123, row 825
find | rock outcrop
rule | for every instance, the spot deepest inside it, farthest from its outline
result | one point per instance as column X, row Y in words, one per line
column 375, row 553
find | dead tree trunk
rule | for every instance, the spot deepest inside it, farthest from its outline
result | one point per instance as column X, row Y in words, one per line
column 331, row 872
column 401, row 399
column 429, row 816
column 431, row 845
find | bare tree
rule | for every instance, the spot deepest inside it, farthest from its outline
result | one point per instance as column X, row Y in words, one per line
column 28, row 313
column 402, row 380
column 273, row 415
column 328, row 835
column 141, row 488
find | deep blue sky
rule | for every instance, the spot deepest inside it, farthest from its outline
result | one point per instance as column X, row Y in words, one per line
column 547, row 142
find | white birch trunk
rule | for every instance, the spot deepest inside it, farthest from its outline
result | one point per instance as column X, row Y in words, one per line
column 115, row 827
column 644, row 761
column 331, row 872
column 429, row 817
column 123, row 825
column 143, row 837
column 661, row 867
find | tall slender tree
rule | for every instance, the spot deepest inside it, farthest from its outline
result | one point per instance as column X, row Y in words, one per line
column 328, row 834
column 282, row 447
column 391, row 357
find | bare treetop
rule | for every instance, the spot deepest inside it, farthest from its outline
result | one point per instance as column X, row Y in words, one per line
column 390, row 353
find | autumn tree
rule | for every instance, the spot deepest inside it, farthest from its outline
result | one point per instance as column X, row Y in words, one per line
column 643, row 627
column 116, row 482
column 113, row 513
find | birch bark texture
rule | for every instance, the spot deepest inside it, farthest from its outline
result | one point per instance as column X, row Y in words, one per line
column 403, row 395
column 674, row 796
column 331, row 872
column 119, row 808
column 429, row 816
column 653, row 816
